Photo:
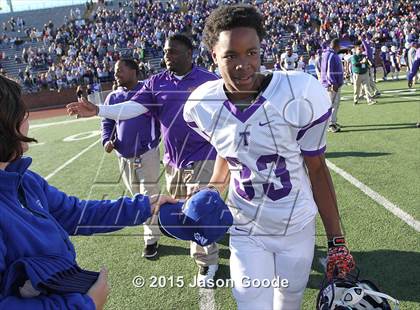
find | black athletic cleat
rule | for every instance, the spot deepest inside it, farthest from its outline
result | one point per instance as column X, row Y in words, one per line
column 334, row 128
column 150, row 251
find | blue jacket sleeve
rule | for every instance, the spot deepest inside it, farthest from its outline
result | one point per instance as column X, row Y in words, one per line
column 107, row 125
column 68, row 301
column 50, row 302
column 86, row 217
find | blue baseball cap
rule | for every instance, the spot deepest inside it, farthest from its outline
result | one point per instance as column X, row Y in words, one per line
column 204, row 218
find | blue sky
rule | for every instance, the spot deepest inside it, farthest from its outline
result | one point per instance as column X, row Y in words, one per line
column 23, row 5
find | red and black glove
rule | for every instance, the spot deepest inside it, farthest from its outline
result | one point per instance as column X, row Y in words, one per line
column 339, row 260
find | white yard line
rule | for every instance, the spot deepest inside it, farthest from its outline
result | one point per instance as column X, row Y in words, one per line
column 206, row 299
column 382, row 96
column 409, row 98
column 376, row 197
column 71, row 160
column 62, row 122
column 406, row 90
column 387, row 93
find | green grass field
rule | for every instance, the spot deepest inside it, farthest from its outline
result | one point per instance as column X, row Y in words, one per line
column 379, row 145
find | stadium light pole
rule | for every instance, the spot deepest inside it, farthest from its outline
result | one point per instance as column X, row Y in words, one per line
column 9, row 3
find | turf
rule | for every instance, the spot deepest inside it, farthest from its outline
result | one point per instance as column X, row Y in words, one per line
column 378, row 145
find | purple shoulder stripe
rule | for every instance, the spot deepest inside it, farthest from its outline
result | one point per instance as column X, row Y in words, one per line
column 192, row 124
column 314, row 153
column 320, row 120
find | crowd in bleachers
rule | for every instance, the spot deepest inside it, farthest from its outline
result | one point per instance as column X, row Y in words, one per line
column 84, row 51
column 14, row 24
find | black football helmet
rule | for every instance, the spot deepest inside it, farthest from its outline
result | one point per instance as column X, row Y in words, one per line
column 350, row 293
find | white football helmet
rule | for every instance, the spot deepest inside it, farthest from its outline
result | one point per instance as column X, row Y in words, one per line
column 353, row 294
column 384, row 49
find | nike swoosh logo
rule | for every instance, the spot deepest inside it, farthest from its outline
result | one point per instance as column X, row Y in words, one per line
column 236, row 228
column 263, row 124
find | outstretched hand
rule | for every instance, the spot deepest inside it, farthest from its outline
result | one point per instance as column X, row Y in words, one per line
column 109, row 146
column 157, row 201
column 82, row 108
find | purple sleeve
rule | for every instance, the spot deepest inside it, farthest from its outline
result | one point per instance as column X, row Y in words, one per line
column 107, row 125
column 312, row 138
column 145, row 96
column 368, row 50
column 335, row 72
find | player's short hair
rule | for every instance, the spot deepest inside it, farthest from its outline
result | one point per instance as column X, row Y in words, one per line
column 12, row 113
column 228, row 17
column 358, row 43
column 183, row 39
column 131, row 63
column 335, row 42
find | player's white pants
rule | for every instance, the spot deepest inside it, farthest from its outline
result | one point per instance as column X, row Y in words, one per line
column 266, row 257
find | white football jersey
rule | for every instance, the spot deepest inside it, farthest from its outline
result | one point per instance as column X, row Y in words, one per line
column 289, row 61
column 263, row 144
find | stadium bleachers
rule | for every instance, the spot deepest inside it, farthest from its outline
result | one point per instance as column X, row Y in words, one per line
column 288, row 24
column 38, row 18
column 9, row 64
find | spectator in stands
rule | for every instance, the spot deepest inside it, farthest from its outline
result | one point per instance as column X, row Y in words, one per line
column 308, row 23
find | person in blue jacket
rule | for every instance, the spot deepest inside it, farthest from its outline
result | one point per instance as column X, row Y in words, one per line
column 37, row 219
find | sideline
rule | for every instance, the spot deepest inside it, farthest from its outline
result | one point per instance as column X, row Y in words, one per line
column 71, row 160
column 376, row 197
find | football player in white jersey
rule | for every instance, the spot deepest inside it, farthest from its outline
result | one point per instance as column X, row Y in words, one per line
column 269, row 132
column 288, row 60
